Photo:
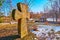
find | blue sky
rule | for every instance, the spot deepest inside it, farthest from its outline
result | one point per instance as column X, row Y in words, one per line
column 36, row 5
column 39, row 5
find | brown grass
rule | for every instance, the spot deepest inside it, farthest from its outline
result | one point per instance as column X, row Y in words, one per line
column 8, row 29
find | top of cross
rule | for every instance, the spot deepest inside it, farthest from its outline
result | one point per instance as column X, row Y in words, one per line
column 21, row 12
column 22, row 7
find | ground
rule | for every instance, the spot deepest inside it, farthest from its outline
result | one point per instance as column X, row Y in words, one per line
column 9, row 32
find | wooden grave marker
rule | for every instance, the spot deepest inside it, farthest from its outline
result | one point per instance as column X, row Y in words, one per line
column 21, row 14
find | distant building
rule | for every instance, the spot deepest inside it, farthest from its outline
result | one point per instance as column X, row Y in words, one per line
column 35, row 15
column 42, row 19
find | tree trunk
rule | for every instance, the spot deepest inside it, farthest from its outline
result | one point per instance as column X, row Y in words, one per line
column 56, row 16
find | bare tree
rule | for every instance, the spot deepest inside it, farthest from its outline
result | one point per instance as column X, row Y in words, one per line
column 55, row 6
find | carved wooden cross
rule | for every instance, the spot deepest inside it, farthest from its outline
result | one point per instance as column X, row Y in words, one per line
column 21, row 14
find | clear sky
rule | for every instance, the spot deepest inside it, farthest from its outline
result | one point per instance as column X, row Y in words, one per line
column 36, row 5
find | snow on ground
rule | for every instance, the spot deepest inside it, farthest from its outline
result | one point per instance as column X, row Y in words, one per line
column 44, row 29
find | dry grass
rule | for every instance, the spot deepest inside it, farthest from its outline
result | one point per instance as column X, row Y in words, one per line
column 8, row 29
column 11, row 29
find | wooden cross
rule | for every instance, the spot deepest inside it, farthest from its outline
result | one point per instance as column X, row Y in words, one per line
column 21, row 14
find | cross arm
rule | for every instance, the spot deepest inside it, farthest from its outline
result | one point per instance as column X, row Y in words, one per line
column 16, row 14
